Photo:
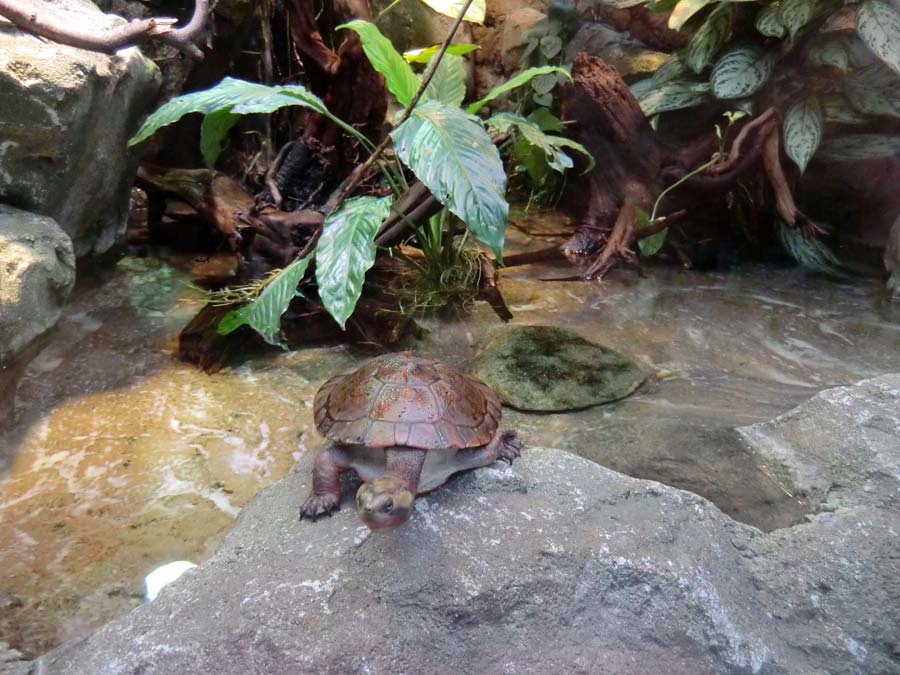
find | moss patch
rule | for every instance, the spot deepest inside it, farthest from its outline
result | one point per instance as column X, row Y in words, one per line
column 547, row 369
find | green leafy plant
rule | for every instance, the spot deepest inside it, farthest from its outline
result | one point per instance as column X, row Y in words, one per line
column 447, row 148
column 796, row 55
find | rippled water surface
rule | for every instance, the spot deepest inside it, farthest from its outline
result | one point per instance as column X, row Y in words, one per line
column 115, row 457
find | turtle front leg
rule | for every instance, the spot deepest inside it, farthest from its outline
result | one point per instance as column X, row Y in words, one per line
column 510, row 446
column 326, row 486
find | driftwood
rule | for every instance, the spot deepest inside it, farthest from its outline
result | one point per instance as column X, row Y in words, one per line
column 40, row 18
column 634, row 167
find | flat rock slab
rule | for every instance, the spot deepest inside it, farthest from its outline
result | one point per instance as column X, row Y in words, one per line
column 555, row 564
column 549, row 369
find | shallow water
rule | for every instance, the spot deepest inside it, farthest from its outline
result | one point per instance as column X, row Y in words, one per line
column 117, row 458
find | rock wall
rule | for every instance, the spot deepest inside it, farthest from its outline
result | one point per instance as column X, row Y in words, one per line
column 37, row 272
column 65, row 117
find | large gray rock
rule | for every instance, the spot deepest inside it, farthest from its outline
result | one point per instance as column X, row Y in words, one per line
column 65, row 117
column 842, row 445
column 553, row 565
column 37, row 272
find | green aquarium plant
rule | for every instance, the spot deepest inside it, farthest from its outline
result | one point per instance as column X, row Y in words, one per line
column 829, row 67
column 442, row 142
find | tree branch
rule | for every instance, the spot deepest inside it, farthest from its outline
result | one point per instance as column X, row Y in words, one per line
column 39, row 19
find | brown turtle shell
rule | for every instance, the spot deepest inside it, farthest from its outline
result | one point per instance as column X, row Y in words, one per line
column 412, row 401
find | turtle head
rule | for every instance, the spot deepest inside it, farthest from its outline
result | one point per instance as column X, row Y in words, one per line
column 385, row 501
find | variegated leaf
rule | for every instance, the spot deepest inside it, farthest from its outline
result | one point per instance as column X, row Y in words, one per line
column 855, row 147
column 829, row 51
column 674, row 95
column 709, row 38
column 684, row 10
column 878, row 24
column 742, row 70
column 803, row 131
column 768, row 23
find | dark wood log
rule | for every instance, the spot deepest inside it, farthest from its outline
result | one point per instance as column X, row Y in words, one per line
column 608, row 121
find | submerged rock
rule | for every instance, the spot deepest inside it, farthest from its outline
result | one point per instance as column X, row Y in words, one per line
column 37, row 272
column 65, row 117
column 548, row 369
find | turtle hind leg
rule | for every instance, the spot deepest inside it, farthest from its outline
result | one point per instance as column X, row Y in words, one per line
column 510, row 446
column 326, row 487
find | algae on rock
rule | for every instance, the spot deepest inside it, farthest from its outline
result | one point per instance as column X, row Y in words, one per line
column 549, row 369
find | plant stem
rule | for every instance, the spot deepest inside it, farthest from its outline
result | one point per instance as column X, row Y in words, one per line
column 699, row 169
column 385, row 10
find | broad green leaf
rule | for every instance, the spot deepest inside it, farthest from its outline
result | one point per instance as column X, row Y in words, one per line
column 709, row 38
column 742, row 70
column 855, row 147
column 551, row 145
column 239, row 96
column 829, row 51
column 452, row 154
column 544, row 84
column 424, row 54
column 684, row 10
column 803, row 131
column 346, row 251
column 674, row 95
column 546, row 120
column 650, row 246
column 213, row 130
column 522, row 78
column 399, row 77
column 452, row 8
column 264, row 313
column 878, row 24
column 449, row 82
column 872, row 100
column 768, row 23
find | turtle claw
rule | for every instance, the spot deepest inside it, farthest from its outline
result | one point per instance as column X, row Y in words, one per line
column 510, row 447
column 319, row 505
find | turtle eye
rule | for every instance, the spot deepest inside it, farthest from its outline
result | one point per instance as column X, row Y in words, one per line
column 388, row 505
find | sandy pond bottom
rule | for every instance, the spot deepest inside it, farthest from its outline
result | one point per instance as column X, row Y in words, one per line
column 116, row 458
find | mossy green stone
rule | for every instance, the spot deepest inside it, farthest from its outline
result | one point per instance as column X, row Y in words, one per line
column 547, row 369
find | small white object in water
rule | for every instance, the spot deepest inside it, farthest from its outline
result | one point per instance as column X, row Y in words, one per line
column 164, row 575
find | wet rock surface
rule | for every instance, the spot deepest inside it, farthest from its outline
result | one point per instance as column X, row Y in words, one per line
column 61, row 109
column 115, row 458
column 548, row 369
column 843, row 443
column 37, row 272
column 555, row 563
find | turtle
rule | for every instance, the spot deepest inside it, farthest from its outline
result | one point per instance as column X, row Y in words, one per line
column 405, row 424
